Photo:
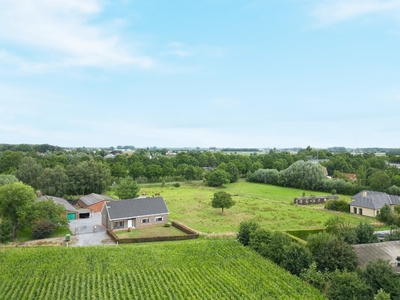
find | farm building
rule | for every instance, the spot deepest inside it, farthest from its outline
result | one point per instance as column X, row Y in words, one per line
column 369, row 203
column 93, row 202
column 134, row 213
column 71, row 212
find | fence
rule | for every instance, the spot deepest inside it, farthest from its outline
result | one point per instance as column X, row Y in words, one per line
column 189, row 234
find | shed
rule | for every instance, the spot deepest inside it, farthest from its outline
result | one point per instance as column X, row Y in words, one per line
column 93, row 202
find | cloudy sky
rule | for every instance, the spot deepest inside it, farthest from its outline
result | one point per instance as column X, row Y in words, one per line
column 223, row 73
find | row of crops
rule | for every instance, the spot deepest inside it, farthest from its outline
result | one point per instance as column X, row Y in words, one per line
column 201, row 269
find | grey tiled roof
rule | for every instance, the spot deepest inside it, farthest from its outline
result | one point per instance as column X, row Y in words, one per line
column 138, row 207
column 94, row 198
column 57, row 200
column 385, row 250
column 374, row 200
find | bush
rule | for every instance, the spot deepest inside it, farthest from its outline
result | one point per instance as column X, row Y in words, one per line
column 43, row 229
column 5, row 231
column 246, row 228
column 296, row 258
column 167, row 225
column 337, row 205
column 176, row 184
column 366, row 234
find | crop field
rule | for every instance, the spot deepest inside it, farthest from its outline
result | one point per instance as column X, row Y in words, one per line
column 201, row 269
column 269, row 205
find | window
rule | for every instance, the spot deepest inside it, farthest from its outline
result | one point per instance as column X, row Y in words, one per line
column 355, row 210
column 147, row 220
column 119, row 224
column 158, row 219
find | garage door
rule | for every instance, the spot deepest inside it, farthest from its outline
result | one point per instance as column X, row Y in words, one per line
column 71, row 216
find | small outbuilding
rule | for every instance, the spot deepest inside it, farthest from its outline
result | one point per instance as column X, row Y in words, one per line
column 93, row 202
column 71, row 212
column 134, row 213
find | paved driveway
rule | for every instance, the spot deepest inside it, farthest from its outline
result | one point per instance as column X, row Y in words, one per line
column 83, row 229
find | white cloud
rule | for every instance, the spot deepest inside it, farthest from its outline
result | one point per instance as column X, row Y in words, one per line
column 64, row 34
column 335, row 11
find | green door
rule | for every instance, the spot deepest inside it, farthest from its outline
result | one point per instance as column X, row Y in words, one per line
column 71, row 216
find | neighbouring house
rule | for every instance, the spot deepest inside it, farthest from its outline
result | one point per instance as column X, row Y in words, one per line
column 369, row 203
column 93, row 202
column 134, row 213
column 352, row 177
column 71, row 212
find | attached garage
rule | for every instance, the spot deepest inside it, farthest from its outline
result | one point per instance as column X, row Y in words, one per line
column 71, row 216
column 84, row 213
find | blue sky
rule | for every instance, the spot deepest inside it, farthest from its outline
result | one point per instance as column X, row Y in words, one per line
column 278, row 73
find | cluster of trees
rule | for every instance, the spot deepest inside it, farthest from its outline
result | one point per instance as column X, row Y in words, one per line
column 19, row 210
column 326, row 261
column 372, row 172
column 62, row 172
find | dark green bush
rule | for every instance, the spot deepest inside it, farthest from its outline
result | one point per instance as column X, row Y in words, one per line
column 246, row 228
column 337, row 205
column 176, row 184
column 43, row 229
column 5, row 231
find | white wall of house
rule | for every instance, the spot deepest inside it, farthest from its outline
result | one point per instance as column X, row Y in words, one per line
column 363, row 211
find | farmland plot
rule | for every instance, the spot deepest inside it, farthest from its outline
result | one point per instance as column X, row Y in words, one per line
column 201, row 269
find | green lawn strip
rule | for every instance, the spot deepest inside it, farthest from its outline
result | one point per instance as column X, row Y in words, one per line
column 271, row 206
column 149, row 232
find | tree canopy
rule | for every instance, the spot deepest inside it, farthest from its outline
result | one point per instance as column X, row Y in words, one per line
column 222, row 200
column 16, row 199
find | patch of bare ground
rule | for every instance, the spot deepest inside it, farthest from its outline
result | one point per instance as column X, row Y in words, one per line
column 58, row 241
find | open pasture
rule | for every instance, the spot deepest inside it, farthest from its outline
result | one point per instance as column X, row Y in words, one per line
column 201, row 269
column 269, row 205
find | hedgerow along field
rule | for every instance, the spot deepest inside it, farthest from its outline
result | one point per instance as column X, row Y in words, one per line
column 200, row 269
column 271, row 206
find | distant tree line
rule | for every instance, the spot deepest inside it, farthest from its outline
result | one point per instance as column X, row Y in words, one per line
column 60, row 172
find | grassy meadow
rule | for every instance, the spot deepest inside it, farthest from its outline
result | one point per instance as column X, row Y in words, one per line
column 271, row 206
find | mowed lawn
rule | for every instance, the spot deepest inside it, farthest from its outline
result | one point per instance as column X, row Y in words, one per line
column 149, row 232
column 269, row 205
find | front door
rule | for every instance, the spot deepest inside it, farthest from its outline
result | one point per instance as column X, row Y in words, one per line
column 130, row 224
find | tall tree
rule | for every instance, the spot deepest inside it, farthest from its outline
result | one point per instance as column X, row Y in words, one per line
column 16, row 199
column 54, row 182
column 127, row 188
column 222, row 200
column 29, row 171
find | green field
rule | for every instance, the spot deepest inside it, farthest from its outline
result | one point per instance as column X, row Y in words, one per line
column 196, row 269
column 271, row 206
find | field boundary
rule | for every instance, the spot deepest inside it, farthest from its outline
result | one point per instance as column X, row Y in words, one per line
column 189, row 234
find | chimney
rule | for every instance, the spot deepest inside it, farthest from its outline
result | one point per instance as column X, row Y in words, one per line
column 364, row 193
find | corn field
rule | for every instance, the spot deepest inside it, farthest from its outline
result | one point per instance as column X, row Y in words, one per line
column 201, row 269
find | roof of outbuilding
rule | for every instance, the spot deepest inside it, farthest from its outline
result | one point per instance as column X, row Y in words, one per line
column 374, row 200
column 385, row 250
column 94, row 198
column 57, row 200
column 138, row 207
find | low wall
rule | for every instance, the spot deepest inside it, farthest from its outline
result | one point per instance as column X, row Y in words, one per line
column 190, row 234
